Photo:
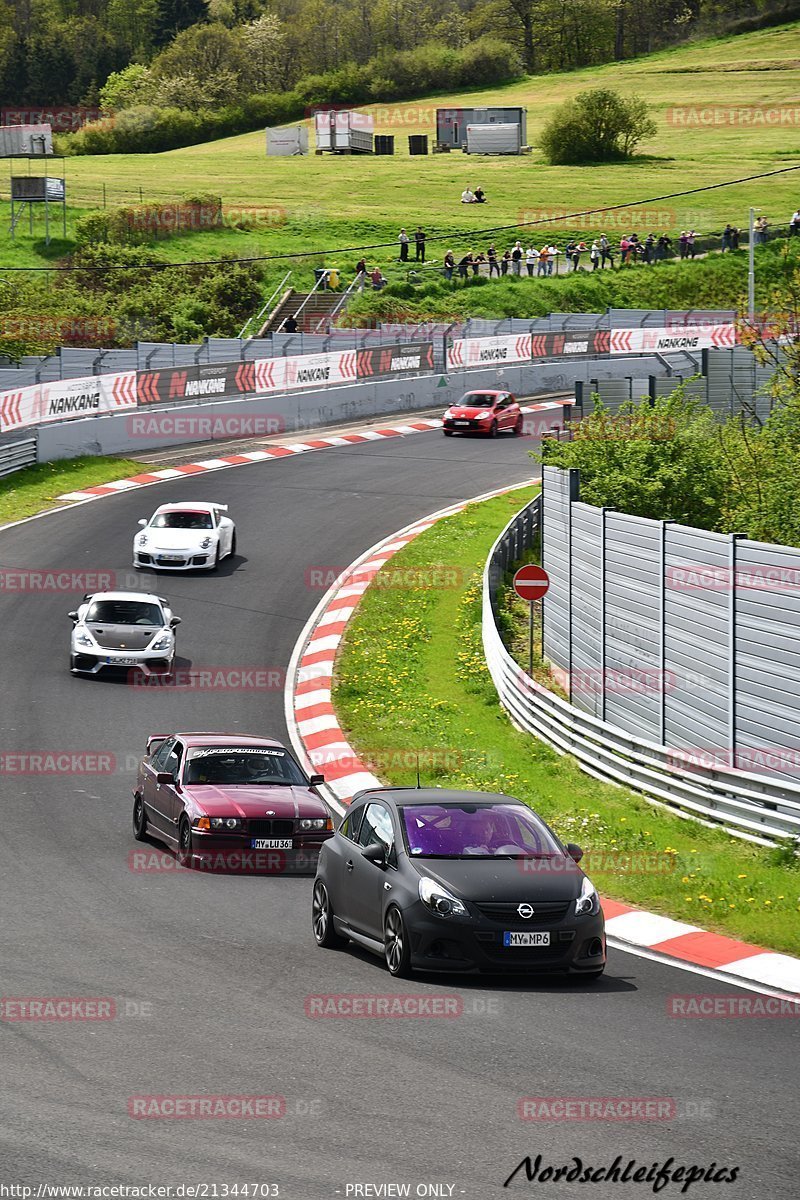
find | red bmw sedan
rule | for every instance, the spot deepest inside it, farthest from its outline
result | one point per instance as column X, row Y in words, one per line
column 230, row 802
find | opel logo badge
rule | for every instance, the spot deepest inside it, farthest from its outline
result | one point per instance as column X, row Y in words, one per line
column 525, row 910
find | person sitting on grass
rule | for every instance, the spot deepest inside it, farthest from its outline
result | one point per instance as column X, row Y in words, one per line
column 467, row 196
column 378, row 280
column 480, row 195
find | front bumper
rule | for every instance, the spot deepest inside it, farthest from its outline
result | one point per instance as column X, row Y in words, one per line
column 93, row 661
column 189, row 560
column 465, row 425
column 577, row 944
column 233, row 853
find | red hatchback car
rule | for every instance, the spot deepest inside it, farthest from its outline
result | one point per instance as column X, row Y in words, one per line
column 486, row 411
column 230, row 802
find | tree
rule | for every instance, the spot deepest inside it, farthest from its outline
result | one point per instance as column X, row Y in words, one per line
column 596, row 126
column 126, row 88
column 265, row 45
column 175, row 15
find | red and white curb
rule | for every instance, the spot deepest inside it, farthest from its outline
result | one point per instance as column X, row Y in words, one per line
column 424, row 425
column 321, row 744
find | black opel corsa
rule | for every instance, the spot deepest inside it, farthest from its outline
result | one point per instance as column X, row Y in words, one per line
column 456, row 881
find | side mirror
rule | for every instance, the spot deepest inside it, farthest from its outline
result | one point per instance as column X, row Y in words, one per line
column 375, row 853
column 73, row 616
column 574, row 851
column 315, row 780
column 142, row 521
column 165, row 777
column 174, row 621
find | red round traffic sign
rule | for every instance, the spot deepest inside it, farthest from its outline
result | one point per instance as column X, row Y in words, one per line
column 531, row 582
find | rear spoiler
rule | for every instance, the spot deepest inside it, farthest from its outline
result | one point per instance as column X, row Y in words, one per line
column 155, row 739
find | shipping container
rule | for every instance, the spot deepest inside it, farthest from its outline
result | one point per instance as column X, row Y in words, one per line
column 451, row 124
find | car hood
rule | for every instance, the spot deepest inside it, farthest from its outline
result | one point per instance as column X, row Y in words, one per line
column 484, row 880
column 122, row 637
column 245, row 801
column 178, row 539
column 459, row 410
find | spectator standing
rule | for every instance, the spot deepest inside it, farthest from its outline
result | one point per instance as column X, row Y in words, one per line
column 403, row 240
column 794, row 224
column 516, row 258
column 419, row 243
column 762, row 225
column 726, row 237
column 606, row 252
column 649, row 247
column 504, row 261
column 531, row 257
column 552, row 260
column 662, row 247
column 594, row 255
column 463, row 265
column 449, row 264
column 361, row 273
column 290, row 324
column 478, row 258
column 691, row 243
column 544, row 255
column 624, row 250
column 735, row 235
column 683, row 244
column 491, row 255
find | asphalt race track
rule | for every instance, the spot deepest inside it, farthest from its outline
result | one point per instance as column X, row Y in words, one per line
column 210, row 974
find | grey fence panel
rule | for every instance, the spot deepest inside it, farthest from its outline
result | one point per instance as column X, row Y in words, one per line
column 11, row 378
column 14, row 455
column 768, row 653
column 697, row 639
column 623, row 318
column 556, row 561
column 632, row 666
column 612, row 392
column 586, row 690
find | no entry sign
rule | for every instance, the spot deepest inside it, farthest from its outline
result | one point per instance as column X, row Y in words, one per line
column 531, row 582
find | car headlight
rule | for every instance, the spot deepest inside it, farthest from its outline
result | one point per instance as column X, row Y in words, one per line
column 163, row 642
column 439, row 900
column 142, row 539
column 82, row 638
column 206, row 542
column 588, row 902
column 225, row 823
column 314, row 823
column 485, row 416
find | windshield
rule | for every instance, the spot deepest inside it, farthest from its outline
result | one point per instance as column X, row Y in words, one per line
column 241, row 765
column 479, row 400
column 476, row 831
column 125, row 612
column 182, row 520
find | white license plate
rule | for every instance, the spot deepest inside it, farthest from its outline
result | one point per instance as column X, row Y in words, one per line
column 526, row 939
column 170, row 558
column 270, row 843
column 461, row 422
column 122, row 662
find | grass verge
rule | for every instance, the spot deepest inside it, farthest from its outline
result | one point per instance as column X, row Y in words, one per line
column 411, row 680
column 35, row 489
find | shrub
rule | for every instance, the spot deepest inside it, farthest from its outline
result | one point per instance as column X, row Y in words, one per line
column 596, row 126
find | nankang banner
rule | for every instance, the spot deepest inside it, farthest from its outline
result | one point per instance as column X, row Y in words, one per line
column 406, row 357
column 489, row 351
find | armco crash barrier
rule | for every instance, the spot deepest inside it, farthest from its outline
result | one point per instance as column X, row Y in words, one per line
column 94, row 395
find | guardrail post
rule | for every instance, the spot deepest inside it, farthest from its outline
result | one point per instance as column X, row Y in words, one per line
column 573, row 494
column 603, row 512
column 662, row 633
column 734, row 538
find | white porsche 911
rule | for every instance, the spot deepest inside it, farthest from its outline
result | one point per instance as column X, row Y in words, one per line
column 123, row 630
column 187, row 536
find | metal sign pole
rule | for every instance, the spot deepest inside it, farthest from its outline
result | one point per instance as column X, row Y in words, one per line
column 530, row 639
